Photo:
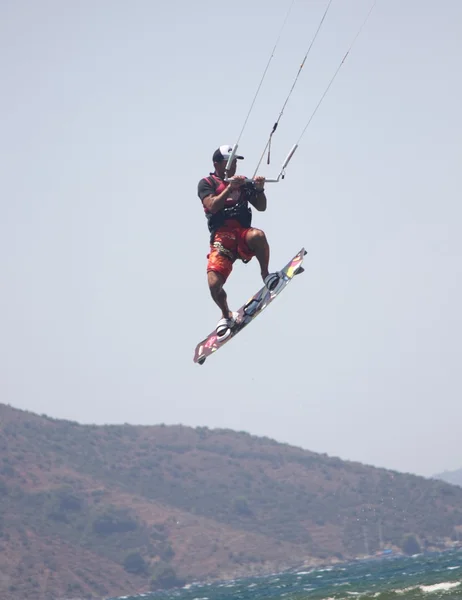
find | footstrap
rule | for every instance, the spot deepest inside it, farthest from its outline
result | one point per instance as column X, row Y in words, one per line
column 222, row 326
column 271, row 281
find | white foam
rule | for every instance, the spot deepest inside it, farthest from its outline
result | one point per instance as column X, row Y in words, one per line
column 440, row 587
column 404, row 590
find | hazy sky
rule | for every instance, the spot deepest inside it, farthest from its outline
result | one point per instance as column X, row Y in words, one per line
column 110, row 113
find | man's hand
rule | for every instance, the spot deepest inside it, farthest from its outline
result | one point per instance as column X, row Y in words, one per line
column 258, row 200
column 236, row 182
column 259, row 183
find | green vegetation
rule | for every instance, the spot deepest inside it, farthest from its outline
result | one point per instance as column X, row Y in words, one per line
column 114, row 522
column 164, row 577
column 135, row 563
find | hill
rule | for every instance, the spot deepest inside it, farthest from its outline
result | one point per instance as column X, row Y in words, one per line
column 108, row 510
column 453, row 477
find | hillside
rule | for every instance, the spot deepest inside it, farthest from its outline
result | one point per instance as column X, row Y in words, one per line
column 453, row 477
column 107, row 510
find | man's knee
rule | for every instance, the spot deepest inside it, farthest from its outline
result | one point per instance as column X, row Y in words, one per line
column 216, row 282
column 256, row 238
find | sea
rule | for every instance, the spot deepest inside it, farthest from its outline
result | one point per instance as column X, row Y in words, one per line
column 423, row 576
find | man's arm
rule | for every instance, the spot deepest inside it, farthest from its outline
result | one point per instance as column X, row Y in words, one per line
column 213, row 203
column 258, row 199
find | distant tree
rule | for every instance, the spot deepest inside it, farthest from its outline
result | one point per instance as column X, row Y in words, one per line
column 69, row 501
column 241, row 506
column 165, row 551
column 59, row 516
column 108, row 523
column 135, row 563
column 164, row 577
column 410, row 544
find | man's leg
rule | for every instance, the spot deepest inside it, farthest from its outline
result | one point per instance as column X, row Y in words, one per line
column 216, row 282
column 258, row 244
column 219, row 267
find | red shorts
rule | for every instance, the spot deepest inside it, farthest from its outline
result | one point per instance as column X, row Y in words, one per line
column 229, row 245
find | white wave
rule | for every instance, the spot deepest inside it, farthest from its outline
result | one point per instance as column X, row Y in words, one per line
column 405, row 590
column 440, row 587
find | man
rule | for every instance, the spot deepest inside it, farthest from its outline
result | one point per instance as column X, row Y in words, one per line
column 229, row 216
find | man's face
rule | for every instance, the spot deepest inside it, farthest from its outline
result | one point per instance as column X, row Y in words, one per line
column 221, row 167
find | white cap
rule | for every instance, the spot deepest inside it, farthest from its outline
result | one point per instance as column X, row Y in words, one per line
column 223, row 153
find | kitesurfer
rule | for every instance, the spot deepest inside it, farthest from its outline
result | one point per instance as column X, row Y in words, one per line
column 226, row 197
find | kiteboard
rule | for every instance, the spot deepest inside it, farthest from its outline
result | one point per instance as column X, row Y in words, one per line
column 251, row 309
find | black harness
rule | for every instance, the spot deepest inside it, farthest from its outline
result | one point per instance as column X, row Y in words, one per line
column 239, row 211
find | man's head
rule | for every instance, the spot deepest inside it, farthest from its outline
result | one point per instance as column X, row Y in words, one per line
column 220, row 159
